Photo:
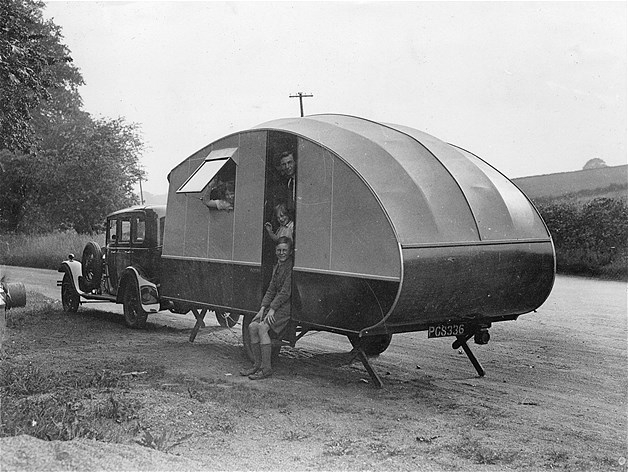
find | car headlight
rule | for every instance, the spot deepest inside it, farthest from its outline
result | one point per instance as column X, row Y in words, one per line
column 149, row 295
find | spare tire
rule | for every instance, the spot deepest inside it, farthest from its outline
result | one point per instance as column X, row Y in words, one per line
column 92, row 266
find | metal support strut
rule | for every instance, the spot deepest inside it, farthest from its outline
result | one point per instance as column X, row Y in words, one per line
column 461, row 342
column 199, row 315
column 359, row 352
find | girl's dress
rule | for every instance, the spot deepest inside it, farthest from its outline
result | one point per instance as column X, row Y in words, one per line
column 279, row 294
column 285, row 230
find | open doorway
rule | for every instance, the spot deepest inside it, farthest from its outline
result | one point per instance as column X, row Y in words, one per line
column 279, row 196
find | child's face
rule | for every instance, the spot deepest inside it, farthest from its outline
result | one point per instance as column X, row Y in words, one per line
column 282, row 217
column 229, row 196
column 282, row 251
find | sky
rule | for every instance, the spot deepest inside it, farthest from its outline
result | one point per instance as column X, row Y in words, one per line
column 531, row 87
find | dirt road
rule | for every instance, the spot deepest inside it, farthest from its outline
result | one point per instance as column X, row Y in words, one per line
column 554, row 395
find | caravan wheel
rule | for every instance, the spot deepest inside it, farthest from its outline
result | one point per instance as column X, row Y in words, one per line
column 371, row 345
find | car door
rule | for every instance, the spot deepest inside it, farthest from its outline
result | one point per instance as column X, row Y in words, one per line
column 118, row 248
column 143, row 243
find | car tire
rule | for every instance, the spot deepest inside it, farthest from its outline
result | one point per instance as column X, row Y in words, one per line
column 371, row 345
column 70, row 298
column 91, row 266
column 134, row 315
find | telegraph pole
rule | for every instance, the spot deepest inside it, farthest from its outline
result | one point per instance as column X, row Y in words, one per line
column 300, row 96
column 141, row 192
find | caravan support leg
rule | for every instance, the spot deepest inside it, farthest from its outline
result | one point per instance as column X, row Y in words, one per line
column 461, row 342
column 369, row 368
column 199, row 315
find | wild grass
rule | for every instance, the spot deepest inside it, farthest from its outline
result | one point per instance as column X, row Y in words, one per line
column 43, row 251
column 101, row 398
column 53, row 405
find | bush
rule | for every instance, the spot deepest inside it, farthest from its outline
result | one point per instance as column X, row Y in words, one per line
column 590, row 238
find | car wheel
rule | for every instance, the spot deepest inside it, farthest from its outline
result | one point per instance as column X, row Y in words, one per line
column 227, row 319
column 134, row 315
column 69, row 297
column 371, row 345
column 92, row 266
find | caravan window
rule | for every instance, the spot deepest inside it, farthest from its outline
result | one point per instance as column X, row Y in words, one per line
column 202, row 176
column 212, row 169
column 213, row 182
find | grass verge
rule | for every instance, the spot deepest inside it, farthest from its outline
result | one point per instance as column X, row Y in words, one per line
column 44, row 251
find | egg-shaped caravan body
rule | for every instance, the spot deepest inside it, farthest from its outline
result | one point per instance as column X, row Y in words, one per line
column 399, row 231
column 394, row 230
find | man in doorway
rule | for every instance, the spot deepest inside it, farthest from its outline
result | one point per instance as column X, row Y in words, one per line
column 287, row 167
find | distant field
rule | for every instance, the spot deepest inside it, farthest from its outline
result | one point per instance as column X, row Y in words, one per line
column 610, row 182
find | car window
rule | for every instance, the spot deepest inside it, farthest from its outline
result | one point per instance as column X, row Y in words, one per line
column 140, row 231
column 125, row 231
column 111, row 230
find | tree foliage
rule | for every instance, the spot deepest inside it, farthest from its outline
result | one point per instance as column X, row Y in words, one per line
column 59, row 167
column 87, row 169
column 33, row 63
column 97, row 165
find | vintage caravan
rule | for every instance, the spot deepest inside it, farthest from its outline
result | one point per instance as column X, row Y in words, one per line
column 394, row 231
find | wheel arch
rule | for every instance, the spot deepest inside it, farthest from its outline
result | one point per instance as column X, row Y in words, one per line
column 129, row 275
column 136, row 276
column 74, row 270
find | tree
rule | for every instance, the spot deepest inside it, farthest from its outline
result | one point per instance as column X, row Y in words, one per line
column 33, row 63
column 59, row 168
column 595, row 163
column 95, row 170
column 86, row 169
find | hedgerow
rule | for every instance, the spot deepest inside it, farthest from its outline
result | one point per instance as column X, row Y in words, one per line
column 590, row 238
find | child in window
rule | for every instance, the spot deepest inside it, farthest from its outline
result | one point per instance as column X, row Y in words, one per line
column 221, row 195
column 286, row 225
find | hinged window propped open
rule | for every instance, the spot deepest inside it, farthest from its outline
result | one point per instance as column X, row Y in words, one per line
column 210, row 167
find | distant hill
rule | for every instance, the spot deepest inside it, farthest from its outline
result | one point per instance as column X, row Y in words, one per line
column 611, row 182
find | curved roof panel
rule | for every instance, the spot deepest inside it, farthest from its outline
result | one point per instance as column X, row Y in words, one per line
column 433, row 192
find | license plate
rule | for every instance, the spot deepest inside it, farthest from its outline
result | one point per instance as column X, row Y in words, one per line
column 443, row 330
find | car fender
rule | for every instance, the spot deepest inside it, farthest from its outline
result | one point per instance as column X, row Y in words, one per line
column 134, row 275
column 74, row 270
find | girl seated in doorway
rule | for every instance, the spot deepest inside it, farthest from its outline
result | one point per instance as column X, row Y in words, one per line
column 274, row 313
column 286, row 223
